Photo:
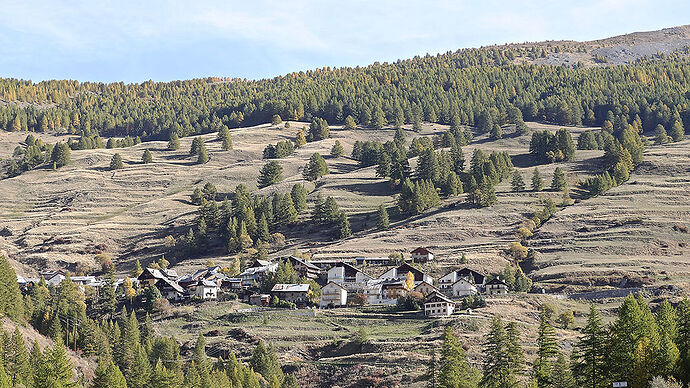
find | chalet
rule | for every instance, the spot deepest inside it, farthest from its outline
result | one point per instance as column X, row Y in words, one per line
column 425, row 288
column 446, row 282
column 372, row 261
column 170, row 289
column 324, row 265
column 206, row 289
column 351, row 278
column 400, row 273
column 333, row 295
column 438, row 305
column 167, row 286
column 304, row 269
column 496, row 287
column 231, row 284
column 421, row 255
column 255, row 273
column 391, row 290
column 461, row 288
column 295, row 293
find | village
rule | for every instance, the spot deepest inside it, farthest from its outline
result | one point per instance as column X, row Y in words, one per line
column 323, row 283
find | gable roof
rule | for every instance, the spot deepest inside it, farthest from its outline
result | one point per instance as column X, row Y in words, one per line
column 437, row 296
column 421, row 250
column 497, row 280
column 172, row 284
column 424, row 283
column 478, row 277
column 405, row 268
column 335, row 284
column 303, row 262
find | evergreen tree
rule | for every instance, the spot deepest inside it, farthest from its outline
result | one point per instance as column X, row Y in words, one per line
column 318, row 130
column 516, row 356
column 116, row 162
column 517, row 184
column 590, row 353
column 140, row 374
column 497, row 366
column 454, row 370
column 55, row 369
column 16, row 360
column 316, row 168
column 496, row 132
column 146, row 157
column 265, row 362
column 537, row 181
column 318, row 212
column 677, row 132
column 660, row 136
column 337, row 150
column 270, row 173
column 11, row 302
column 299, row 197
column 547, row 352
column 300, row 139
column 558, row 183
column 378, row 120
column 344, row 230
column 350, row 122
column 382, row 221
column 60, row 156
column 108, row 377
column 561, row 376
column 226, row 138
column 202, row 158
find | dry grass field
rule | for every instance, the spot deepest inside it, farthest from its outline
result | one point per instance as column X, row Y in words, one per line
column 59, row 218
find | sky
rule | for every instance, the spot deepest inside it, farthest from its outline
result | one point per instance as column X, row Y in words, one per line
column 134, row 41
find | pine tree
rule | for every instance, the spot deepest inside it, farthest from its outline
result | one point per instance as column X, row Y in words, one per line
column 660, row 136
column 496, row 132
column 316, row 168
column 516, row 356
column 11, row 301
column 55, row 369
column 146, row 157
column 497, row 367
column 677, row 132
column 318, row 130
column 300, row 139
column 137, row 269
column 537, row 181
column 382, row 221
column 561, row 375
column 141, row 370
column 173, row 142
column 16, row 360
column 270, row 173
column 350, row 122
column 203, row 155
column 116, row 162
column 262, row 232
column 60, row 156
column 344, row 230
column 590, row 353
column 318, row 212
column 337, row 149
column 558, row 183
column 378, row 120
column 547, row 351
column 454, row 370
column 108, row 376
column 299, row 197
column 265, row 362
column 517, row 184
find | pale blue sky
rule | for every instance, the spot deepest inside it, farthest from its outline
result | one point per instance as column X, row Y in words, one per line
column 133, row 41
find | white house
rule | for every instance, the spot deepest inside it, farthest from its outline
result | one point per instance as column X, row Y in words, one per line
column 295, row 293
column 351, row 278
column 438, row 305
column 400, row 273
column 333, row 294
column 462, row 288
column 421, row 255
column 206, row 289
column 446, row 282
column 374, row 292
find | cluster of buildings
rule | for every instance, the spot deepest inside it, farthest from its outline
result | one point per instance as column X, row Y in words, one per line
column 342, row 283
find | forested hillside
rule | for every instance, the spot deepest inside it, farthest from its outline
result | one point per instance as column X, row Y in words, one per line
column 475, row 87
